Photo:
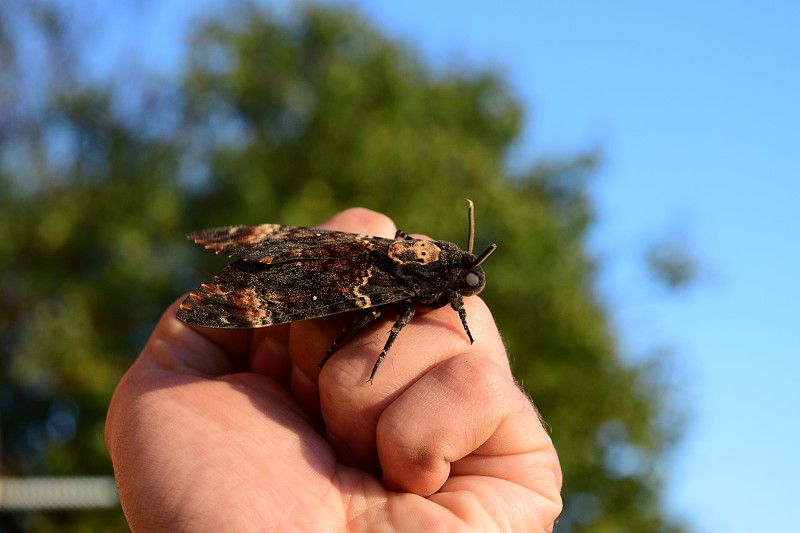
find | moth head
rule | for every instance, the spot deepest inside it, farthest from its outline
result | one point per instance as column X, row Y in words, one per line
column 475, row 279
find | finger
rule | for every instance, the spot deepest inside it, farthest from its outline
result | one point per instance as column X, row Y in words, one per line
column 363, row 221
column 215, row 352
column 191, row 349
column 478, row 422
column 352, row 407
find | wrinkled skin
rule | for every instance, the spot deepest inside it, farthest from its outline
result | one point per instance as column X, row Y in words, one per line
column 239, row 430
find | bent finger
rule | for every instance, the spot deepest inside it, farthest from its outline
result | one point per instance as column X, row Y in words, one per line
column 477, row 423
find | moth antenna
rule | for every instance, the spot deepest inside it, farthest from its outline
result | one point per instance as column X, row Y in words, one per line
column 486, row 253
column 471, row 230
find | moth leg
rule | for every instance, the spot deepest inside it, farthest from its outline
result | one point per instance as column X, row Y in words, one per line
column 406, row 315
column 351, row 329
column 457, row 303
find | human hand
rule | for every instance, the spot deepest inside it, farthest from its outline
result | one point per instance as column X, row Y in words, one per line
column 239, row 430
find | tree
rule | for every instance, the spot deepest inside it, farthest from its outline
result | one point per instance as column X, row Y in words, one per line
column 289, row 119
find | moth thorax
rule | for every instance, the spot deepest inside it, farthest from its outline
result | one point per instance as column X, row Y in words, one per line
column 415, row 251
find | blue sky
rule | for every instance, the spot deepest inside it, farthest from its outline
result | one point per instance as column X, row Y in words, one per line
column 696, row 108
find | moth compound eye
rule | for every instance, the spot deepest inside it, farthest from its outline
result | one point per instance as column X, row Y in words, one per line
column 472, row 283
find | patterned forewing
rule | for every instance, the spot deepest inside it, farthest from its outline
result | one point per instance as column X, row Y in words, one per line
column 273, row 243
column 249, row 294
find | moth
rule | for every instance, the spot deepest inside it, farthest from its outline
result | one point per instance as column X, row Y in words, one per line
column 286, row 274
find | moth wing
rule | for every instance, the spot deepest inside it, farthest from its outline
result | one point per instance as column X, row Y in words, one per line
column 250, row 294
column 273, row 243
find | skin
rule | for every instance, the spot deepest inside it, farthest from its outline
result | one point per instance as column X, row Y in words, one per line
column 239, row 430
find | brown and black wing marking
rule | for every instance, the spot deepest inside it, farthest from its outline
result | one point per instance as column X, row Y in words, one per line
column 251, row 295
column 273, row 243
column 287, row 274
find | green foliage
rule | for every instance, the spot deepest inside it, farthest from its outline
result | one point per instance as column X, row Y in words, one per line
column 289, row 120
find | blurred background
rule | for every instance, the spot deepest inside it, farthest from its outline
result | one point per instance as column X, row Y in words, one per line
column 637, row 166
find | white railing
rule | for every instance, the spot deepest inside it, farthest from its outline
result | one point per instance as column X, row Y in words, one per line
column 50, row 493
